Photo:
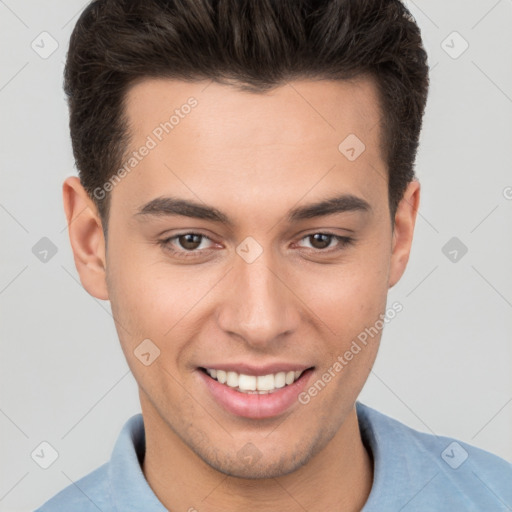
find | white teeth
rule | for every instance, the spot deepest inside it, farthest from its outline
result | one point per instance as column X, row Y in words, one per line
column 266, row 382
column 280, row 380
column 232, row 379
column 247, row 382
column 261, row 384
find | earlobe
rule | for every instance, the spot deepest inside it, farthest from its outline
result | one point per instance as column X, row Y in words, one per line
column 405, row 219
column 86, row 237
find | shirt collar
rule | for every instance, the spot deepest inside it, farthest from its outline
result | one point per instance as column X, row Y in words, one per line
column 130, row 489
column 394, row 468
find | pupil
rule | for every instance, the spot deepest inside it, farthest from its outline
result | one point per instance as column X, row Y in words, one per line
column 317, row 237
column 189, row 242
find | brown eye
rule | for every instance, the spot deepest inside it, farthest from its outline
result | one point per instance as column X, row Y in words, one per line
column 190, row 241
column 320, row 240
column 186, row 245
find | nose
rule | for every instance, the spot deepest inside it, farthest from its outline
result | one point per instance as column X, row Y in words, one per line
column 260, row 306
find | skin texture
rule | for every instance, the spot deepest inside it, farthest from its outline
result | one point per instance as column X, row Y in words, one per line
column 254, row 157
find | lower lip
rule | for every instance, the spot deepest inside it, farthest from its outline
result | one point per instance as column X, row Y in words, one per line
column 254, row 405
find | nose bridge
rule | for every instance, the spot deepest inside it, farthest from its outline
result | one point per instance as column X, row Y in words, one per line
column 258, row 305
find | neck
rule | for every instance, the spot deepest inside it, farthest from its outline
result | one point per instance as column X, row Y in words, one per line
column 338, row 478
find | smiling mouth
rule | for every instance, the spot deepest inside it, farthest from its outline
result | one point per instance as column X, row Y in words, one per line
column 252, row 384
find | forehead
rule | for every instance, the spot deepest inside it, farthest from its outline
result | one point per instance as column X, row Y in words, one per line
column 255, row 147
column 298, row 112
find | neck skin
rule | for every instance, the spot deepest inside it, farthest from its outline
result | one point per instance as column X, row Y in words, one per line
column 338, row 478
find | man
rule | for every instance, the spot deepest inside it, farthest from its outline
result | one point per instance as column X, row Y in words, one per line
column 246, row 199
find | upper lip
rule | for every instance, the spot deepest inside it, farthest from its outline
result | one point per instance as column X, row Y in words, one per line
column 248, row 369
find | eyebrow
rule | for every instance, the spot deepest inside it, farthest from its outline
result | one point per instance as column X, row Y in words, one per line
column 173, row 206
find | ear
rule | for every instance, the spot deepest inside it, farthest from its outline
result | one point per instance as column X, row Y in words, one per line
column 86, row 237
column 405, row 219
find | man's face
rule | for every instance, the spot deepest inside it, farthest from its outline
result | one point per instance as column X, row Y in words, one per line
column 264, row 293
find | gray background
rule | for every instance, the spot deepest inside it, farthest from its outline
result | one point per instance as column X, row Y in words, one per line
column 444, row 362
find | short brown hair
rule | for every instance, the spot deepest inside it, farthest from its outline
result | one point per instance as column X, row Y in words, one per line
column 255, row 45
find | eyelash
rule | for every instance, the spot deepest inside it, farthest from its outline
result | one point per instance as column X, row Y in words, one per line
column 343, row 242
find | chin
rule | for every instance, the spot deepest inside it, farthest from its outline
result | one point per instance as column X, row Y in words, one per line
column 251, row 463
column 257, row 471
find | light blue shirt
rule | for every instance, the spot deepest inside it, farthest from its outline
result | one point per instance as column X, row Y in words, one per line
column 413, row 472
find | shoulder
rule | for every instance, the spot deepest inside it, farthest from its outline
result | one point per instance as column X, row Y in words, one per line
column 428, row 470
column 89, row 494
column 116, row 485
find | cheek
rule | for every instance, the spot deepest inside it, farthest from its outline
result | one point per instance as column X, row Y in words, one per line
column 353, row 295
column 353, row 310
column 143, row 290
column 351, row 304
column 152, row 299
